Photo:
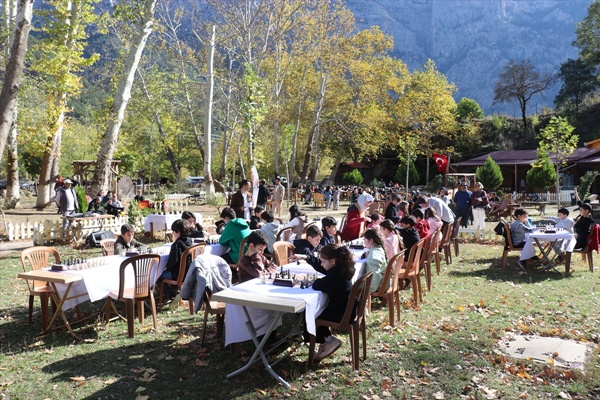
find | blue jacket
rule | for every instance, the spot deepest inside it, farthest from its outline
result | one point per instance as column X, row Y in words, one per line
column 462, row 200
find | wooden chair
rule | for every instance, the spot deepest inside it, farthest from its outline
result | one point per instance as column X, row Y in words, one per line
column 410, row 271
column 430, row 251
column 358, row 301
column 342, row 223
column 108, row 247
column 215, row 308
column 284, row 234
column 234, row 267
column 338, row 238
column 305, row 228
column 586, row 253
column 142, row 266
column 509, row 245
column 390, row 292
column 445, row 244
column 454, row 236
column 503, row 210
column 189, row 254
column 282, row 251
column 34, row 259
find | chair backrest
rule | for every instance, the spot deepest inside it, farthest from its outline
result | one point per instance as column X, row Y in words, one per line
column 306, row 227
column 358, row 298
column 282, row 251
column 503, row 204
column 338, row 238
column 391, row 270
column 36, row 258
column 414, row 258
column 456, row 228
column 446, row 233
column 242, row 250
column 284, row 234
column 189, row 254
column 342, row 223
column 508, row 235
column 108, row 247
column 430, row 243
column 142, row 265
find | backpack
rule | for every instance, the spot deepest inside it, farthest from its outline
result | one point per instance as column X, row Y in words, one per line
column 499, row 229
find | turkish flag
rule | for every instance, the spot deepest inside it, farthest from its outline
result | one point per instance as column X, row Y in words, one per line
column 441, row 160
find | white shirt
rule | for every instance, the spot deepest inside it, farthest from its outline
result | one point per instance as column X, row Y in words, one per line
column 442, row 209
column 70, row 199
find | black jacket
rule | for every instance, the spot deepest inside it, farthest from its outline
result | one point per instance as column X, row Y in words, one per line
column 410, row 236
column 177, row 249
column 391, row 213
column 303, row 246
column 337, row 288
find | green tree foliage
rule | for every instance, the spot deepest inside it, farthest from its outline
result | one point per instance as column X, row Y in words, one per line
column 489, row 174
column 542, row 174
column 588, row 35
column 579, row 79
column 557, row 138
column 468, row 109
column 353, row 177
column 81, row 198
column 587, row 180
column 413, row 174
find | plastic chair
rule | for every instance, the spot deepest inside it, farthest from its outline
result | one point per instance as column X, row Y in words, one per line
column 454, row 236
column 108, row 247
column 282, row 251
column 215, row 308
column 142, row 266
column 586, row 253
column 284, row 234
column 508, row 246
column 357, row 302
column 410, row 271
column 445, row 244
column 305, row 228
column 431, row 251
column 38, row 257
column 189, row 254
column 390, row 292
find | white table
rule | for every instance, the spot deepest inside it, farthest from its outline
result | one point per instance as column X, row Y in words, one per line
column 535, row 238
column 316, row 301
column 97, row 282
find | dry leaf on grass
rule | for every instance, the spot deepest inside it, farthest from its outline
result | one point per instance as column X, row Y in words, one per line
column 77, row 378
column 140, row 397
column 140, row 389
column 439, row 395
column 110, row 381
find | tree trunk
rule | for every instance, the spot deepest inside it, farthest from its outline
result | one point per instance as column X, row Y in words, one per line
column 297, row 128
column 47, row 178
column 338, row 160
column 315, row 167
column 161, row 130
column 210, row 84
column 12, row 173
column 311, row 135
column 108, row 145
column 14, row 70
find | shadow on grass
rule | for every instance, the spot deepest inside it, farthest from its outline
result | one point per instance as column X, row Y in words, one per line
column 491, row 269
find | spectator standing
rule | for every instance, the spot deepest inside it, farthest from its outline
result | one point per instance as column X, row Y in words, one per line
column 479, row 202
column 328, row 193
column 241, row 202
column 335, row 196
column 278, row 196
column 462, row 202
column 67, row 202
column 263, row 194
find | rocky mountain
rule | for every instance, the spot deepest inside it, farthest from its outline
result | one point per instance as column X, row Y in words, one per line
column 471, row 40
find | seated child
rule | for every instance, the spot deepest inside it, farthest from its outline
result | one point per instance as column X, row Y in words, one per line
column 434, row 220
column 236, row 229
column 270, row 228
column 329, row 230
column 126, row 241
column 253, row 263
column 181, row 243
column 376, row 219
column 338, row 266
column 562, row 221
column 376, row 260
column 409, row 234
column 391, row 244
column 305, row 248
column 255, row 221
column 421, row 224
column 519, row 228
column 196, row 230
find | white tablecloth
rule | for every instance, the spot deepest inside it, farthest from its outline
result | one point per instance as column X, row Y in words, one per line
column 99, row 281
column 529, row 249
column 316, row 301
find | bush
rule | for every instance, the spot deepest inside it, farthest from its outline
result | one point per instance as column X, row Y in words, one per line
column 413, row 174
column 542, row 173
column 489, row 175
column 587, row 180
column 81, row 199
column 353, row 177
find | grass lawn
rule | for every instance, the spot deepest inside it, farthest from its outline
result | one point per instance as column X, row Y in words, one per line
column 446, row 350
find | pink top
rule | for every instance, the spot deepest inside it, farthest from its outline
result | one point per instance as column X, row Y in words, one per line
column 391, row 245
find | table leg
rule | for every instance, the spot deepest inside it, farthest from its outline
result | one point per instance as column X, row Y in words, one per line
column 259, row 348
column 59, row 310
column 546, row 255
column 152, row 230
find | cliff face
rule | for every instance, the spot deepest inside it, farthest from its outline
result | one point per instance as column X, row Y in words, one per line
column 471, row 40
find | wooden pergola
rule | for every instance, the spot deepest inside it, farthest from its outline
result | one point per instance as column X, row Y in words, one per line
column 81, row 169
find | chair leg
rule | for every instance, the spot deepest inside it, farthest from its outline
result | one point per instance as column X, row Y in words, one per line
column 311, row 349
column 354, row 345
column 419, row 289
column 415, row 293
column 389, row 297
column 44, row 300
column 590, row 261
column 141, row 316
column 153, row 310
column 363, row 330
column 397, row 296
column 438, row 261
column 504, row 255
column 455, row 240
column 204, row 330
column 160, row 296
column 428, row 275
column 220, row 324
column 129, row 307
column 191, row 306
column 31, row 299
column 107, row 310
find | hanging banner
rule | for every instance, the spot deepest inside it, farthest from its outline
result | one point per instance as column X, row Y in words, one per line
column 441, row 161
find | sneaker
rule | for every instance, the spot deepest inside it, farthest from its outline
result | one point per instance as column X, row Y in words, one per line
column 522, row 264
column 175, row 302
column 328, row 348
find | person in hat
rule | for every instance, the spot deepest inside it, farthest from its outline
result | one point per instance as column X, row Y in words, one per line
column 278, row 195
column 67, row 202
column 356, row 219
column 462, row 202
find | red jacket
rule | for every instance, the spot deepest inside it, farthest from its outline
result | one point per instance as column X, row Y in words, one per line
column 423, row 228
column 354, row 224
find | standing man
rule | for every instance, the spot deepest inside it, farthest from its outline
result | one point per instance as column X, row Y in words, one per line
column 67, row 202
column 278, row 195
column 462, row 201
column 263, row 194
column 240, row 200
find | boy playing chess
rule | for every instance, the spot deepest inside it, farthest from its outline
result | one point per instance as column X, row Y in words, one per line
column 253, row 263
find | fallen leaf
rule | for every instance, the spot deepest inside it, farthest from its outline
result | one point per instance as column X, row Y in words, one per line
column 460, row 308
column 140, row 389
column 260, row 391
column 386, row 384
column 140, row 397
column 110, row 381
column 77, row 378
column 439, row 395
